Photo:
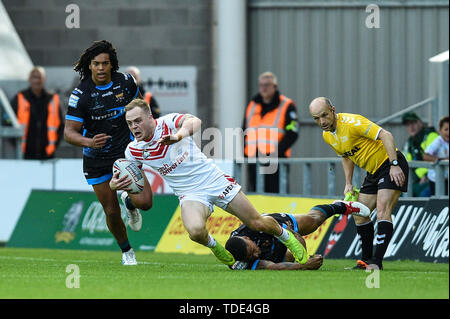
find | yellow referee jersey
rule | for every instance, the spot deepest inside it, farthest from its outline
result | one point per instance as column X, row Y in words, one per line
column 356, row 138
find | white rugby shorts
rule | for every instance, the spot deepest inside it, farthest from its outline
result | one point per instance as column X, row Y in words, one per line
column 220, row 193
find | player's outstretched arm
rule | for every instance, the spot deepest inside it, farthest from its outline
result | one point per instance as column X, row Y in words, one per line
column 187, row 126
column 314, row 262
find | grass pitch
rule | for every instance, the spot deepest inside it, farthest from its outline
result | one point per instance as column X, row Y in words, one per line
column 41, row 273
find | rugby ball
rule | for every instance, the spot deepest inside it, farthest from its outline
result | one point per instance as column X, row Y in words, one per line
column 126, row 167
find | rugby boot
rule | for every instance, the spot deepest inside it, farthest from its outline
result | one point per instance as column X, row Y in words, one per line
column 360, row 265
column 222, row 254
column 128, row 258
column 296, row 248
column 355, row 208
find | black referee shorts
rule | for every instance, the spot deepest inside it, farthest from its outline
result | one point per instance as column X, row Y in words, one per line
column 382, row 180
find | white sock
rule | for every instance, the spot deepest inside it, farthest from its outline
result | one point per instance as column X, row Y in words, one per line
column 211, row 242
column 284, row 235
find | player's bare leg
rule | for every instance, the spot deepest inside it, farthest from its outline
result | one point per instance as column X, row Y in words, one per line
column 144, row 199
column 111, row 207
column 194, row 216
column 242, row 208
column 308, row 223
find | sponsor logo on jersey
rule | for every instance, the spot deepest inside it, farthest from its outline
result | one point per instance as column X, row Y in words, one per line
column 110, row 115
column 352, row 152
column 107, row 94
column 166, row 169
column 73, row 100
column 120, row 97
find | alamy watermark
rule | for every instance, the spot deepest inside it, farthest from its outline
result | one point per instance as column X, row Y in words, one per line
column 373, row 19
column 253, row 145
column 73, row 18
column 73, row 279
column 373, row 279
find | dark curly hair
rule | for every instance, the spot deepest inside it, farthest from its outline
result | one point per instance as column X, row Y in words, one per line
column 98, row 47
column 237, row 246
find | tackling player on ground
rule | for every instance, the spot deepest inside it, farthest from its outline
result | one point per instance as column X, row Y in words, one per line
column 166, row 145
column 254, row 250
column 361, row 142
column 95, row 120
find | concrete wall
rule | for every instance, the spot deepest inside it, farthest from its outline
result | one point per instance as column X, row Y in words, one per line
column 157, row 32
column 324, row 48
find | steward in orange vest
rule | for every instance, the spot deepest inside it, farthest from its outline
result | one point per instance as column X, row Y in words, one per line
column 269, row 128
column 279, row 117
column 42, row 118
column 150, row 99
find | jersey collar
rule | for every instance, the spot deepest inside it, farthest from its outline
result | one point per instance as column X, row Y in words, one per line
column 104, row 87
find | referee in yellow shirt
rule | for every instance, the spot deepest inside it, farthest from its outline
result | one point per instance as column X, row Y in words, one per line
column 360, row 141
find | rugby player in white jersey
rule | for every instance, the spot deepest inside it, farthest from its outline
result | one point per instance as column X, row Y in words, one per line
column 166, row 145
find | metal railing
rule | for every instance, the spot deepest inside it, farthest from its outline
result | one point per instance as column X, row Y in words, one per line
column 433, row 101
column 440, row 167
column 15, row 131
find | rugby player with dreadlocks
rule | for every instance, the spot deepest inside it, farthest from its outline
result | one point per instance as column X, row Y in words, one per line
column 95, row 120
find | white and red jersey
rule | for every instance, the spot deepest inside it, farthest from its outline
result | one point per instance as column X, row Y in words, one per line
column 184, row 167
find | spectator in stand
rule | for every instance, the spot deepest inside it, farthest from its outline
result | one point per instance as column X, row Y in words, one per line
column 436, row 151
column 38, row 110
column 420, row 137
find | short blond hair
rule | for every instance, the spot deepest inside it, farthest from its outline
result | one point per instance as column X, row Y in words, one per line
column 270, row 75
column 140, row 103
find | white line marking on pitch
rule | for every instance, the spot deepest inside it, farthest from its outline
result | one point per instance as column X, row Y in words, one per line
column 98, row 261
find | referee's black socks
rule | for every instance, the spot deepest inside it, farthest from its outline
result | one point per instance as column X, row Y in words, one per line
column 366, row 232
column 384, row 235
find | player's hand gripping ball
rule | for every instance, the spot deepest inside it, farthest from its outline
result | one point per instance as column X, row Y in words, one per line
column 126, row 167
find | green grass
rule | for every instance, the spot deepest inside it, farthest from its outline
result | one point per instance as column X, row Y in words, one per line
column 41, row 273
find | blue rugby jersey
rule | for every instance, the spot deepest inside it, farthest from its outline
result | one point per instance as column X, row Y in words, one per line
column 101, row 109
